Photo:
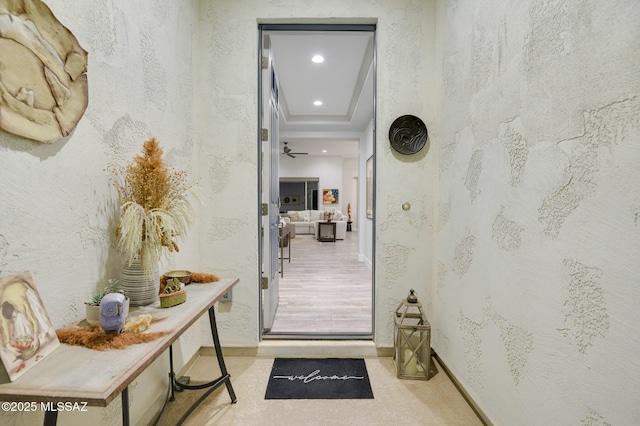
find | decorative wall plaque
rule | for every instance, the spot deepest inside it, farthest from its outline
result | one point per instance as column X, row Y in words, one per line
column 408, row 134
column 43, row 79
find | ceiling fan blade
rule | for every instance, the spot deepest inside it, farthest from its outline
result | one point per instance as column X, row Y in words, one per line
column 288, row 151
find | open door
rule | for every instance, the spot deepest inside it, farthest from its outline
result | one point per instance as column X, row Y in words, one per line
column 323, row 92
column 270, row 186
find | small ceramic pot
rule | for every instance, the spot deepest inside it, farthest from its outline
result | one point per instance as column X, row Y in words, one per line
column 172, row 299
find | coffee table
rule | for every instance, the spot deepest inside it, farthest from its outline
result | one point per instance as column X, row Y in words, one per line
column 326, row 231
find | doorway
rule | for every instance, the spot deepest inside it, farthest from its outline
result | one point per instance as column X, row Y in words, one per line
column 316, row 98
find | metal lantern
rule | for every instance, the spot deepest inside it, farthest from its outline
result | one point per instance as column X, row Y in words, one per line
column 412, row 340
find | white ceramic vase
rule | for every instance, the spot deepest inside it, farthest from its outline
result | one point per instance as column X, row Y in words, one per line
column 141, row 288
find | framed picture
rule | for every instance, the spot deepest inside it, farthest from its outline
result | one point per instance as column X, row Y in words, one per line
column 329, row 196
column 25, row 328
column 289, row 200
column 369, row 176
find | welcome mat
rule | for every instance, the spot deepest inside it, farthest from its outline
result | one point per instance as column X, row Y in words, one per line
column 319, row 378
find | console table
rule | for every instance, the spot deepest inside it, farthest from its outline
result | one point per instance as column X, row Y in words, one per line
column 286, row 233
column 80, row 375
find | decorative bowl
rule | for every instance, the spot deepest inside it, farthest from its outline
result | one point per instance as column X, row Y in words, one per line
column 183, row 276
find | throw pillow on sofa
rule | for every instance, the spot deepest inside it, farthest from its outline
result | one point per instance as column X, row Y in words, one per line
column 294, row 217
column 302, row 215
column 314, row 215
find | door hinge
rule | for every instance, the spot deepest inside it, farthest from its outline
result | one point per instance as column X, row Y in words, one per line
column 265, row 209
column 265, row 283
column 264, row 62
column 264, row 135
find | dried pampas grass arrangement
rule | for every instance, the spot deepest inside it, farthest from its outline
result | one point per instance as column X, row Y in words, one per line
column 156, row 208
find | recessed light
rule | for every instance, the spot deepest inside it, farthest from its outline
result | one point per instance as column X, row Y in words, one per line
column 317, row 103
column 318, row 59
column 324, row 151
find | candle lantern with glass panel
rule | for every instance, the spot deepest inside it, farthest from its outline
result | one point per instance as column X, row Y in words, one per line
column 412, row 340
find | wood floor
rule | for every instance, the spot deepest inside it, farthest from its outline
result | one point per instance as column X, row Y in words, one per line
column 325, row 291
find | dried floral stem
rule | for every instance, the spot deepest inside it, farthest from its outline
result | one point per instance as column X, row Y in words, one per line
column 155, row 207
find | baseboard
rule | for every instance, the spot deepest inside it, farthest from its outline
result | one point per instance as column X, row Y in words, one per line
column 365, row 260
column 229, row 351
column 483, row 418
column 318, row 348
column 152, row 411
column 306, row 348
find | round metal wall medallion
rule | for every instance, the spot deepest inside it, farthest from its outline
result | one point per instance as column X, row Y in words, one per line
column 408, row 134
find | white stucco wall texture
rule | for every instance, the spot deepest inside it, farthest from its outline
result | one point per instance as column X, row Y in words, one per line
column 59, row 212
column 538, row 235
column 185, row 72
column 525, row 203
column 227, row 113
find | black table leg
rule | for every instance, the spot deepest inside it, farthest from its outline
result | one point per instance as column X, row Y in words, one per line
column 50, row 418
column 211, row 386
column 172, row 376
column 216, row 343
column 125, row 406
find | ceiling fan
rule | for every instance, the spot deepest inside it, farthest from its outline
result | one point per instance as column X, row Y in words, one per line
column 287, row 151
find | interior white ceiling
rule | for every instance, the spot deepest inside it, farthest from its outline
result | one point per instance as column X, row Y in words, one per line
column 343, row 82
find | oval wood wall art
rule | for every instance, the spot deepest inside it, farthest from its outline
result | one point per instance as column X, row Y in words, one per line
column 43, row 73
column 408, row 134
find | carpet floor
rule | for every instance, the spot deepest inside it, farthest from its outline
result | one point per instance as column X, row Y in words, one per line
column 408, row 402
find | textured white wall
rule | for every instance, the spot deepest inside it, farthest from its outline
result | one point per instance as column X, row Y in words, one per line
column 538, row 136
column 227, row 108
column 57, row 218
column 328, row 169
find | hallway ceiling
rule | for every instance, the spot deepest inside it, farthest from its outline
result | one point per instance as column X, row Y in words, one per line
column 343, row 82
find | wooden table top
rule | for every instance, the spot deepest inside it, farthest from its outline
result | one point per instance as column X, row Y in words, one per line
column 78, row 374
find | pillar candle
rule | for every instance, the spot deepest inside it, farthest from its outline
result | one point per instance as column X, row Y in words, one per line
column 411, row 367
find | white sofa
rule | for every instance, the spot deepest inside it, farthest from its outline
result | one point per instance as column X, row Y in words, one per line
column 305, row 222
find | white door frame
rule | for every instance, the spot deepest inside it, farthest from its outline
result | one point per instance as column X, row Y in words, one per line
column 261, row 94
column 269, row 188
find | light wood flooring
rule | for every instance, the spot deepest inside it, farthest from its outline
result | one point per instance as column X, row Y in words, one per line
column 325, row 291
